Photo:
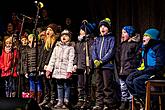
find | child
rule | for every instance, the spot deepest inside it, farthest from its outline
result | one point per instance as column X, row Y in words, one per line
column 22, row 64
column 49, row 85
column 103, row 56
column 34, row 79
column 130, row 42
column 8, row 64
column 82, row 55
column 62, row 62
column 152, row 64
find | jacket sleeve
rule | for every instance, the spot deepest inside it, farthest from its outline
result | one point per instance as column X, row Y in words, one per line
column 76, row 56
column 1, row 61
column 52, row 61
column 94, row 51
column 71, row 59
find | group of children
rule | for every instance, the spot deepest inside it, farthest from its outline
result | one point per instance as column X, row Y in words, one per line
column 58, row 58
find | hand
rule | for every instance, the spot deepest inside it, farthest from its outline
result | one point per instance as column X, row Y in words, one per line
column 97, row 63
column 45, row 67
column 48, row 73
column 69, row 74
column 74, row 68
column 26, row 75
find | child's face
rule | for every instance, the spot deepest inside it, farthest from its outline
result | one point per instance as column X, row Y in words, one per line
column 124, row 35
column 30, row 38
column 10, row 27
column 24, row 41
column 146, row 39
column 65, row 38
column 49, row 32
column 8, row 42
column 103, row 30
column 7, row 49
column 82, row 32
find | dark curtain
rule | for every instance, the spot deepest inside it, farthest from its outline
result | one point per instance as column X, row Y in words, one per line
column 142, row 14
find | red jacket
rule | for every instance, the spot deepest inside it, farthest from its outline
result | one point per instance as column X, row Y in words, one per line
column 7, row 63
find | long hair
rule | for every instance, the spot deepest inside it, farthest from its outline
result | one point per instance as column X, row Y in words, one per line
column 49, row 42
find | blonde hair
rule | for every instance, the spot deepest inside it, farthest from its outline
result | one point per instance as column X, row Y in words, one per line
column 8, row 39
column 49, row 42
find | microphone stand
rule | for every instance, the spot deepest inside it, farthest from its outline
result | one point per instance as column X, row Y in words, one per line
column 36, row 35
column 11, row 78
column 87, row 63
column 20, row 50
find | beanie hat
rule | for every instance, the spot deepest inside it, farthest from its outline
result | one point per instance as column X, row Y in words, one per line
column 106, row 22
column 23, row 36
column 53, row 26
column 153, row 33
column 89, row 27
column 66, row 32
column 130, row 30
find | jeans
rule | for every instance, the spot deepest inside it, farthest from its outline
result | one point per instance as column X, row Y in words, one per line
column 136, row 84
column 63, row 89
column 35, row 82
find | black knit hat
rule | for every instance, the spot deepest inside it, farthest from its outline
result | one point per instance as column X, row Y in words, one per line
column 106, row 22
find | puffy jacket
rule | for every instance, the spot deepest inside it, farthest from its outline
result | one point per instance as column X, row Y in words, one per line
column 104, row 50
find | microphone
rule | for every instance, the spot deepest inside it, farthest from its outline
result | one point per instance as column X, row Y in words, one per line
column 85, row 22
column 39, row 4
column 26, row 16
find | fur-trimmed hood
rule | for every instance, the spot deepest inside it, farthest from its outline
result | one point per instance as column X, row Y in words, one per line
column 135, row 38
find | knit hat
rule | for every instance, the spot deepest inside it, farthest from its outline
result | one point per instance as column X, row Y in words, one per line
column 66, row 32
column 106, row 22
column 23, row 36
column 89, row 27
column 153, row 33
column 130, row 30
column 53, row 26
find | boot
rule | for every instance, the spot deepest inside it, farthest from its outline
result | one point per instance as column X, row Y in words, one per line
column 86, row 105
column 124, row 105
column 32, row 94
column 44, row 102
column 13, row 94
column 79, row 104
column 59, row 105
column 50, row 104
column 39, row 97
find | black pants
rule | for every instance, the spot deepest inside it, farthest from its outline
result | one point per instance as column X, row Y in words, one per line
column 104, row 87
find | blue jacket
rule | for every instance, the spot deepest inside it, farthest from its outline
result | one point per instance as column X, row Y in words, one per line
column 104, row 50
column 154, row 58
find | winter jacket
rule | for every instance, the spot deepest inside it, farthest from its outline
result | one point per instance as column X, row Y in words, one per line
column 44, row 57
column 129, row 56
column 8, row 63
column 104, row 50
column 61, row 60
column 80, row 53
column 22, row 62
column 154, row 58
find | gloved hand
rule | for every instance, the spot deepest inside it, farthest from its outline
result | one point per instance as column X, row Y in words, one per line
column 69, row 74
column 97, row 63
